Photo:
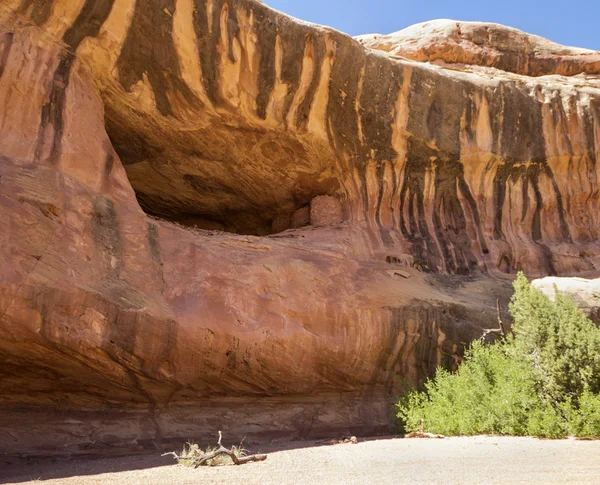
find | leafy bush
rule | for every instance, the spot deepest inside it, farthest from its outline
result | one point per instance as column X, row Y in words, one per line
column 557, row 339
column 543, row 380
column 585, row 421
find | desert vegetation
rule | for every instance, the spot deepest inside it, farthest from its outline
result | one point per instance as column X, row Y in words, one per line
column 194, row 456
column 543, row 379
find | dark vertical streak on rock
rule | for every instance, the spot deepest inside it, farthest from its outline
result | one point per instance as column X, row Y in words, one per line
column 40, row 12
column 466, row 192
column 120, row 338
column 155, row 251
column 529, row 176
column 208, row 34
column 106, row 232
column 523, row 142
column 452, row 232
column 25, row 4
column 207, row 49
column 6, row 42
column 397, row 329
column 499, row 196
column 438, row 205
column 341, row 109
column 52, row 111
column 561, row 125
column 422, row 344
column 564, row 227
column 385, row 234
column 149, row 49
column 404, row 193
column 470, row 114
column 233, row 28
column 381, row 86
column 415, row 230
column 435, row 113
column 293, row 43
column 434, row 118
column 395, row 217
column 525, row 202
column 588, row 131
column 434, row 122
column 87, row 24
column 522, row 126
column 266, row 31
column 153, row 243
column 593, row 113
column 109, row 162
column 319, row 57
column 536, row 226
column 108, row 166
column 561, row 122
column 152, row 406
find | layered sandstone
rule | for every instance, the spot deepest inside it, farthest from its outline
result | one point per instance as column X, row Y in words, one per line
column 462, row 44
column 424, row 188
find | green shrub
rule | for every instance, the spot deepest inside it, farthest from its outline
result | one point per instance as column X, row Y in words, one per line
column 542, row 380
column 547, row 421
column 557, row 339
column 490, row 393
column 585, row 421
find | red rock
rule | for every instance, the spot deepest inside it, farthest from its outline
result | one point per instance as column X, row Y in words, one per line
column 281, row 222
column 301, row 217
column 325, row 211
column 119, row 331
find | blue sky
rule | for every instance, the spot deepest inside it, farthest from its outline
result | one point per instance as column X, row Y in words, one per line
column 573, row 22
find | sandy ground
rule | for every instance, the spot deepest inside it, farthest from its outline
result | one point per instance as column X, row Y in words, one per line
column 382, row 461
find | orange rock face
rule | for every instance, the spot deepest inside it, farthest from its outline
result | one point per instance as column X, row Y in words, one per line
column 154, row 156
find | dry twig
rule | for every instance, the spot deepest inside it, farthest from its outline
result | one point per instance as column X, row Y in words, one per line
column 501, row 330
column 500, row 322
column 345, row 439
column 237, row 459
column 423, row 434
column 419, row 434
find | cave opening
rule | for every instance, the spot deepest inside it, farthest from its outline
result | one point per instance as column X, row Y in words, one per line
column 220, row 176
column 322, row 210
column 243, row 223
column 258, row 222
column 215, row 207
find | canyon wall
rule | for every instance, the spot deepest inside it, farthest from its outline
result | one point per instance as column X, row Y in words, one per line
column 218, row 217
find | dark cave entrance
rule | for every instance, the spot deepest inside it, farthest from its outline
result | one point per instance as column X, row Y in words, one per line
column 219, row 176
column 245, row 223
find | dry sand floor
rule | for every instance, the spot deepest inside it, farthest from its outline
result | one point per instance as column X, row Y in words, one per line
column 378, row 461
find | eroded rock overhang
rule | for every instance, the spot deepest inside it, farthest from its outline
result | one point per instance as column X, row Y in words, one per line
column 419, row 180
column 230, row 115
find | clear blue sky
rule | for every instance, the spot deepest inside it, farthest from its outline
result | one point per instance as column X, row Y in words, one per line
column 572, row 22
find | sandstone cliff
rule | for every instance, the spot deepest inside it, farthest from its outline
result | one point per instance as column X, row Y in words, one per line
column 464, row 44
column 424, row 188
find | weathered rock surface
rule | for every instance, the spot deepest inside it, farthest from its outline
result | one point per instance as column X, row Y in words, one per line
column 121, row 331
column 447, row 42
column 585, row 293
